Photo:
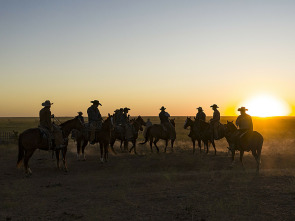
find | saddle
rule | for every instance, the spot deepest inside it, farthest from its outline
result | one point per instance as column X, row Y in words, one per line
column 46, row 136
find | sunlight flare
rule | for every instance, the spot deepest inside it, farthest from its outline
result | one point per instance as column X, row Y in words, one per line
column 266, row 106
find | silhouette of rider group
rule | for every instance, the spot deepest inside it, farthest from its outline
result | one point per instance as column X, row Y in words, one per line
column 123, row 127
column 118, row 126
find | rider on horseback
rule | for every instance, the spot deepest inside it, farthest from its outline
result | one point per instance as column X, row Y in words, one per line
column 200, row 115
column 51, row 131
column 244, row 123
column 80, row 117
column 215, row 121
column 165, row 122
column 118, row 116
column 94, row 119
column 128, row 133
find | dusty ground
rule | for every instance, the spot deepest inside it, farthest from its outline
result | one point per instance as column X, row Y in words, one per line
column 172, row 186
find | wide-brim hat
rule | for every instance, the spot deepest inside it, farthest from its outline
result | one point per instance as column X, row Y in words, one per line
column 80, row 112
column 199, row 108
column 162, row 108
column 126, row 108
column 214, row 105
column 242, row 109
column 47, row 103
column 96, row 102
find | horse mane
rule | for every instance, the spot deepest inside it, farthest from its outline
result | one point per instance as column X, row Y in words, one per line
column 204, row 123
column 66, row 122
column 232, row 125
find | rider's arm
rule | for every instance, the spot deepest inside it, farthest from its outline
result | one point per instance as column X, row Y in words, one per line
column 167, row 114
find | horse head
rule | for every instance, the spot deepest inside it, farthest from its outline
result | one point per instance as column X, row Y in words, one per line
column 78, row 123
column 69, row 125
column 172, row 121
column 108, row 123
column 188, row 122
column 140, row 121
column 230, row 127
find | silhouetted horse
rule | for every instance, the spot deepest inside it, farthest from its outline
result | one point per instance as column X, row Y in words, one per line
column 251, row 140
column 194, row 133
column 102, row 137
column 220, row 130
column 135, row 126
column 32, row 139
column 205, row 134
column 156, row 132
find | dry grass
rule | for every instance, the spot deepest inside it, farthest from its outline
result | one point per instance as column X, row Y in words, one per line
column 172, row 186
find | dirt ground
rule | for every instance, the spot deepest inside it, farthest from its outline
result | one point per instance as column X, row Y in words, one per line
column 171, row 186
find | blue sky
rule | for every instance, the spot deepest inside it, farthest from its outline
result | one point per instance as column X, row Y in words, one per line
column 144, row 54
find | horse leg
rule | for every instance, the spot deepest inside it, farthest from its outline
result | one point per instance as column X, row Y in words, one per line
column 121, row 146
column 151, row 144
column 78, row 149
column 131, row 148
column 57, row 158
column 206, row 146
column 155, row 143
column 213, row 144
column 112, row 145
column 134, row 146
column 64, row 153
column 83, row 149
column 172, row 142
column 101, row 151
column 105, row 147
column 194, row 145
column 232, row 158
column 28, row 155
column 200, row 145
column 256, row 155
column 241, row 158
column 166, row 144
column 258, row 159
column 126, row 145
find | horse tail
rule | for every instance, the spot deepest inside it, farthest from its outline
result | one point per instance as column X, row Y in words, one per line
column 147, row 135
column 21, row 151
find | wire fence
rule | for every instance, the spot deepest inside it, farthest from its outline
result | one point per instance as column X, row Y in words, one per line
column 8, row 137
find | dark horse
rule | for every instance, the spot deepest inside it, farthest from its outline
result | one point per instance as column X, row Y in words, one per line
column 194, row 133
column 251, row 140
column 135, row 126
column 206, row 134
column 102, row 137
column 156, row 132
column 32, row 139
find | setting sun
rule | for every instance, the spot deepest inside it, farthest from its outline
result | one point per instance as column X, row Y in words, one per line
column 266, row 106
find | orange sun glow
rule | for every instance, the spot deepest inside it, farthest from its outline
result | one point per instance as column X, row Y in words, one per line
column 266, row 106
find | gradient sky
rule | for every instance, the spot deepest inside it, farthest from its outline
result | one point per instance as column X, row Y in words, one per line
column 144, row 54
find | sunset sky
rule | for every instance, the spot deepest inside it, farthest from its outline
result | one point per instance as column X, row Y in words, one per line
column 145, row 54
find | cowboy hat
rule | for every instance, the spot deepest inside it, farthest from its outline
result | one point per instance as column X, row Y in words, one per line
column 242, row 109
column 126, row 108
column 47, row 103
column 162, row 108
column 96, row 102
column 214, row 105
column 80, row 113
column 200, row 108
